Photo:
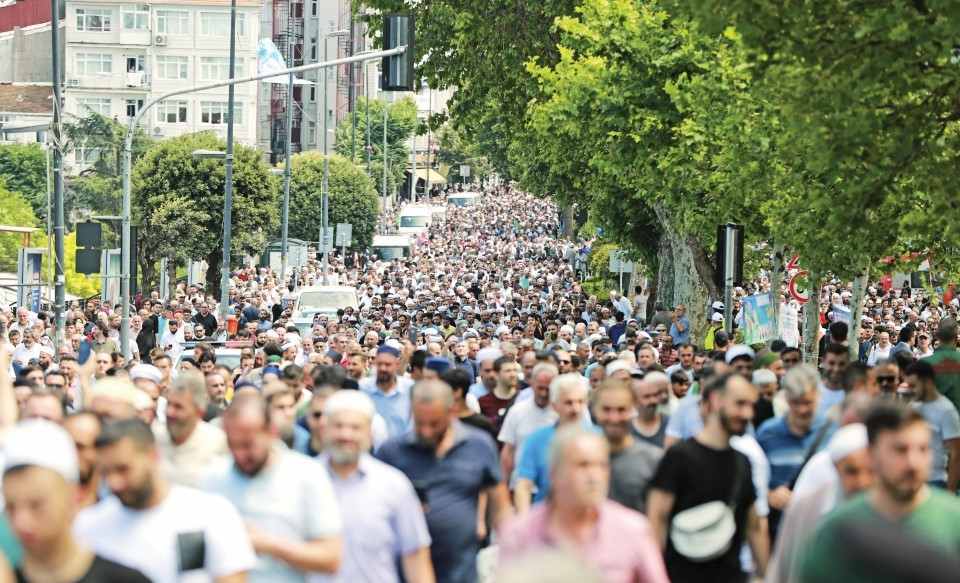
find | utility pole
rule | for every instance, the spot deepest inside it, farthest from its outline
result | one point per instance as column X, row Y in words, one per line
column 59, row 294
column 286, row 170
column 228, row 187
column 384, row 162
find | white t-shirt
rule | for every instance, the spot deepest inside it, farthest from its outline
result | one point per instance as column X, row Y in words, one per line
column 188, row 524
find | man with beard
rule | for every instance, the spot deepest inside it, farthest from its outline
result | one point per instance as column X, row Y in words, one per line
column 384, row 524
column 650, row 425
column 84, row 427
column 166, row 531
column 703, row 469
column 632, row 462
column 389, row 391
column 835, row 361
column 285, row 498
column 900, row 507
column 620, row 546
column 786, row 440
column 435, row 457
column 39, row 480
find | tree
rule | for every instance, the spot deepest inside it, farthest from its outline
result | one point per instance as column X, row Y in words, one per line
column 401, row 122
column 15, row 211
column 353, row 198
column 453, row 151
column 178, row 204
column 24, row 168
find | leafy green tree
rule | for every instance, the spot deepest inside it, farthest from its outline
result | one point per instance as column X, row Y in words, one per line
column 15, row 211
column 24, row 168
column 453, row 151
column 178, row 204
column 353, row 198
column 401, row 122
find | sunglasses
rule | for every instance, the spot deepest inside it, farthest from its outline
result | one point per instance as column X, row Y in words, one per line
column 886, row 379
column 317, row 414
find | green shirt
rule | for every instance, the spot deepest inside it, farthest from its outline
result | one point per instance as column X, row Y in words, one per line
column 935, row 523
column 946, row 362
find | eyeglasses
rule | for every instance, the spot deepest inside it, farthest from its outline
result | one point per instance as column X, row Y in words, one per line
column 886, row 379
column 564, row 362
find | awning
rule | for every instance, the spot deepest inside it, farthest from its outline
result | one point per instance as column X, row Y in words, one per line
column 434, row 176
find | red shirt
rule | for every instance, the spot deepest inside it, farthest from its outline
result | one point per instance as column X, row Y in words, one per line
column 495, row 409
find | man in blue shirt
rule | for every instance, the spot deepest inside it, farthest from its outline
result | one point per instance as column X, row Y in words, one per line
column 450, row 464
column 389, row 391
column 568, row 397
column 680, row 326
column 786, row 439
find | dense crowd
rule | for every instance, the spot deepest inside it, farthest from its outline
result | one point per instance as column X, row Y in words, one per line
column 478, row 416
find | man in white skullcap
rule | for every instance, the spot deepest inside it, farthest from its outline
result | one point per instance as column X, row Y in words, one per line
column 147, row 378
column 383, row 519
column 848, row 452
column 45, row 359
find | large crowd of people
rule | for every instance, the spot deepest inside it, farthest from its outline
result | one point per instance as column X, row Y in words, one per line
column 478, row 416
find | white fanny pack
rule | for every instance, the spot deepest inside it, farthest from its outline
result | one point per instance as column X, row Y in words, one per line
column 705, row 532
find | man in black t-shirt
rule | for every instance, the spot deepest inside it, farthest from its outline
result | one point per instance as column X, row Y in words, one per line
column 40, row 475
column 705, row 469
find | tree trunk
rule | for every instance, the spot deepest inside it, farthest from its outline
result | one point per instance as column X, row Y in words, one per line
column 692, row 275
column 171, row 278
column 214, row 263
column 776, row 276
column 811, row 325
column 568, row 220
column 857, row 298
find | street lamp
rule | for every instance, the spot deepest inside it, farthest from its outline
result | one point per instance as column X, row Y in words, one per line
column 324, row 240
column 426, row 88
column 225, row 267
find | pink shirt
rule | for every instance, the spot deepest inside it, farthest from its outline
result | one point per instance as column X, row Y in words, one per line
column 623, row 548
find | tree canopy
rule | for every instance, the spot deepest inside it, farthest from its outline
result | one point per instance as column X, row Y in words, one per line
column 401, row 121
column 178, row 204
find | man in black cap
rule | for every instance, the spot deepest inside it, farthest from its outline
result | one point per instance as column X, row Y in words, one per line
column 661, row 318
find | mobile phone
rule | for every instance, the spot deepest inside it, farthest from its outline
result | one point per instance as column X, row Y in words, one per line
column 412, row 334
column 84, row 351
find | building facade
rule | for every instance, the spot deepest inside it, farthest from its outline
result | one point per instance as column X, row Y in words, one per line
column 120, row 55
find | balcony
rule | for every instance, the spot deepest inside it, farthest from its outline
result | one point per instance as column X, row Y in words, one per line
column 136, row 81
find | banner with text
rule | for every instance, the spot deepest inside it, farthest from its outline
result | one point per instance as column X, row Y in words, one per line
column 759, row 324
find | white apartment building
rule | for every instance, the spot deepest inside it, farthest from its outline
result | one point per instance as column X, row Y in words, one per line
column 121, row 54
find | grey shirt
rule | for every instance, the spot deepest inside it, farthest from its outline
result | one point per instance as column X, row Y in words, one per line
column 630, row 473
column 944, row 422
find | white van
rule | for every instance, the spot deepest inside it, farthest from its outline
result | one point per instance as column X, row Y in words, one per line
column 414, row 219
column 466, row 199
column 388, row 247
column 324, row 299
column 439, row 213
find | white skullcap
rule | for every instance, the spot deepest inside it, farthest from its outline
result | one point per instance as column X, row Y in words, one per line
column 146, row 371
column 566, row 328
column 288, row 346
column 46, row 350
column 764, row 376
column 847, row 440
column 41, row 443
column 273, row 335
column 115, row 388
column 348, row 400
column 616, row 365
column 393, row 342
column 501, row 330
column 738, row 350
column 488, row 354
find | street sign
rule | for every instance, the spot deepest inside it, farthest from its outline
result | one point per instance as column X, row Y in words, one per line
column 344, row 234
column 798, row 293
column 619, row 264
column 329, row 240
column 465, row 170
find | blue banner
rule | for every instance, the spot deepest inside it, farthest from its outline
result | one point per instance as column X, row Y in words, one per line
column 759, row 324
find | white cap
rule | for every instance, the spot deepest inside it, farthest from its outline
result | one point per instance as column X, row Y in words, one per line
column 847, row 440
column 566, row 328
column 271, row 334
column 738, row 350
column 764, row 376
column 288, row 346
column 616, row 365
column 501, row 330
column 347, row 400
column 41, row 443
column 146, row 371
column 488, row 354
column 717, row 305
column 46, row 350
column 717, row 317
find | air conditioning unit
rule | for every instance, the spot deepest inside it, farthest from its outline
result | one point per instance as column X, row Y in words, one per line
column 157, row 131
column 159, row 40
column 73, row 83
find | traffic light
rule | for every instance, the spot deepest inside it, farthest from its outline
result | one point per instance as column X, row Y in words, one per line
column 397, row 70
column 721, row 264
column 90, row 236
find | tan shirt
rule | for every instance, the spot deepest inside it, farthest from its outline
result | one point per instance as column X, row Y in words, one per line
column 188, row 462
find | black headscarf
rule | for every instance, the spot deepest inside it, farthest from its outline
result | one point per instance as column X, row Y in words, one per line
column 146, row 340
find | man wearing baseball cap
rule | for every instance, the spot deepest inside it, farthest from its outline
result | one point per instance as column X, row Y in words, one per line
column 40, row 476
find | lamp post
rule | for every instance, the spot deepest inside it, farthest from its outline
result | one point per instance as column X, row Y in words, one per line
column 426, row 88
column 326, row 157
column 286, row 169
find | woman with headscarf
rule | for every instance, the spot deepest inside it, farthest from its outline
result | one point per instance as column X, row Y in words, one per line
column 146, row 340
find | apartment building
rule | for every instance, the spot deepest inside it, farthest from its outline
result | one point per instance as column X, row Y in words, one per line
column 120, row 55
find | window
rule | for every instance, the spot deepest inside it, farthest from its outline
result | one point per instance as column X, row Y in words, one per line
column 313, row 94
column 136, row 63
column 93, row 20
column 86, row 106
column 85, row 155
column 313, row 8
column 173, row 22
column 92, row 64
column 313, row 52
column 172, row 67
column 312, row 133
column 133, row 106
column 218, row 68
column 135, row 16
column 172, row 112
column 215, row 112
column 218, row 24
